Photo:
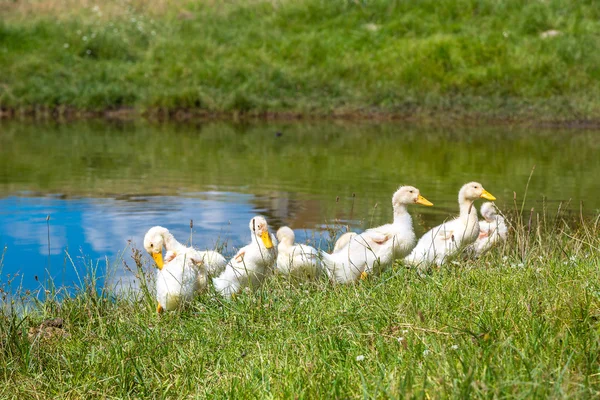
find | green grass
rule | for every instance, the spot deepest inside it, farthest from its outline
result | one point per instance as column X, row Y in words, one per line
column 521, row 322
column 430, row 57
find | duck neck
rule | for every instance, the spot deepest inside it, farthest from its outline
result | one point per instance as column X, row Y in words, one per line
column 468, row 214
column 171, row 244
column 284, row 246
column 401, row 213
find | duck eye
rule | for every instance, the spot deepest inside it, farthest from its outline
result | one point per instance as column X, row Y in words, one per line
column 411, row 191
column 151, row 244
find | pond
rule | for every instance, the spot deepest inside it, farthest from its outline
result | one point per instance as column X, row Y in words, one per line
column 81, row 195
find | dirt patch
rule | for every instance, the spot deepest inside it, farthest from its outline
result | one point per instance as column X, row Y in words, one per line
column 48, row 330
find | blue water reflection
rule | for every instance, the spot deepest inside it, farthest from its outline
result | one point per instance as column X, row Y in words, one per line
column 88, row 233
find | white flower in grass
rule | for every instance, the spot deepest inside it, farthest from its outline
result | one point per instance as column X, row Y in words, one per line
column 360, row 358
column 426, row 352
column 405, row 331
column 400, row 339
column 454, row 347
column 66, row 45
column 84, row 38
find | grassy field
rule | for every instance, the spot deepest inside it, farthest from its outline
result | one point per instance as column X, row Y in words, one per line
column 431, row 58
column 521, row 322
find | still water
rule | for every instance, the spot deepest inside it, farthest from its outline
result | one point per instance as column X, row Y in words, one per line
column 83, row 194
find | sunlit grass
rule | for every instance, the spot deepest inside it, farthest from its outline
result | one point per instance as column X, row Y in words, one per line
column 427, row 58
column 521, row 321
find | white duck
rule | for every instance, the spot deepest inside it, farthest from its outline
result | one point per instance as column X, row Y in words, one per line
column 297, row 260
column 252, row 263
column 178, row 281
column 158, row 238
column 185, row 271
column 376, row 248
column 343, row 241
column 443, row 240
column 492, row 229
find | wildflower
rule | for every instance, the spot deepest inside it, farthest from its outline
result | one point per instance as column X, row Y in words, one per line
column 505, row 34
column 426, row 352
column 66, row 45
column 550, row 33
column 371, row 27
column 454, row 347
column 360, row 357
column 405, row 331
column 84, row 38
column 400, row 339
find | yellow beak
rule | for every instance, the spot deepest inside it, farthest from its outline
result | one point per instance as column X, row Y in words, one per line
column 422, row 200
column 158, row 259
column 487, row 195
column 266, row 238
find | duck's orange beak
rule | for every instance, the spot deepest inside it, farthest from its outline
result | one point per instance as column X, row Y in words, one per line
column 487, row 195
column 266, row 238
column 158, row 259
column 422, row 200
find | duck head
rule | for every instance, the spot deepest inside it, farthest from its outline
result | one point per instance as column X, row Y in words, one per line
column 488, row 211
column 473, row 191
column 286, row 236
column 409, row 195
column 154, row 242
column 260, row 229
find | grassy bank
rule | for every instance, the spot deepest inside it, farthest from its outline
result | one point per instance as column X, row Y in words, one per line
column 496, row 59
column 523, row 321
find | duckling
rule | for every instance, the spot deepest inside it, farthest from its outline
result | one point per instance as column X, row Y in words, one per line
column 446, row 239
column 297, row 260
column 158, row 238
column 492, row 229
column 185, row 271
column 252, row 263
column 376, row 248
column 179, row 280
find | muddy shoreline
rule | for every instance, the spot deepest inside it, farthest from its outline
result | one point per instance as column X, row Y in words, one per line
column 432, row 117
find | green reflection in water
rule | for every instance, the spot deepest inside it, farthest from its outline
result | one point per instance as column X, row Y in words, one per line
column 297, row 176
